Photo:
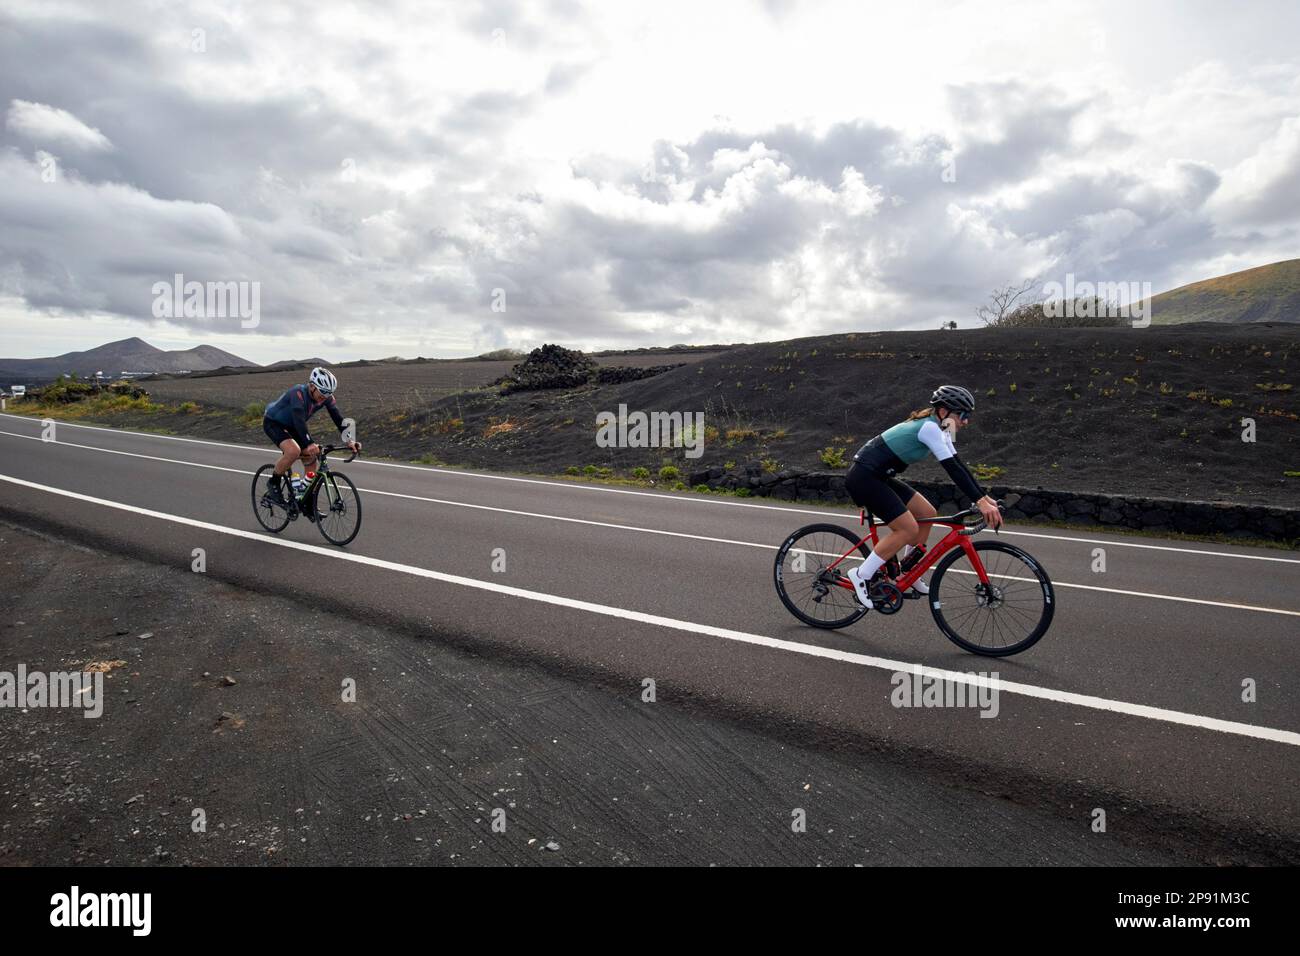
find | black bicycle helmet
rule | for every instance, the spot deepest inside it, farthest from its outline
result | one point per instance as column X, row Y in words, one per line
column 954, row 398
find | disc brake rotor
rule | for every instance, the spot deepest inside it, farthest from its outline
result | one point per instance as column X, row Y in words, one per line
column 988, row 595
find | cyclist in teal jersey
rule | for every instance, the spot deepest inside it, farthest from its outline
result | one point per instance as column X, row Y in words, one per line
column 872, row 484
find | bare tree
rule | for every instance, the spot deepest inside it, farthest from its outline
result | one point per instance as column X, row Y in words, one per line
column 1002, row 302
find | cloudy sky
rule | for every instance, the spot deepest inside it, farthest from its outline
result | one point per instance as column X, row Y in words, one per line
column 628, row 174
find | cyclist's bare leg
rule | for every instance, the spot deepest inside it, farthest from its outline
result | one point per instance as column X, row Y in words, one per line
column 903, row 531
column 919, row 507
column 289, row 453
column 309, row 456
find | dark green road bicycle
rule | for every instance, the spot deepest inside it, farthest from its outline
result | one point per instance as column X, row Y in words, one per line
column 330, row 501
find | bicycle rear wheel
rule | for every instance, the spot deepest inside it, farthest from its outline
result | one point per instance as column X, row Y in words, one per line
column 271, row 517
column 808, row 589
column 1006, row 616
column 338, row 508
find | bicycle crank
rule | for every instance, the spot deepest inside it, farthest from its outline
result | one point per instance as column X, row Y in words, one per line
column 886, row 598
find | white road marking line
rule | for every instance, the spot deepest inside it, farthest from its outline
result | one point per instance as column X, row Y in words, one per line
column 863, row 660
column 626, row 527
column 1152, row 547
column 398, row 494
column 662, row 496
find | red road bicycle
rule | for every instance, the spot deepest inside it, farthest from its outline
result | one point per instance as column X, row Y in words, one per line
column 988, row 597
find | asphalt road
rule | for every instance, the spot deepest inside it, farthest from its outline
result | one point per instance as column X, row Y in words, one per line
column 1132, row 703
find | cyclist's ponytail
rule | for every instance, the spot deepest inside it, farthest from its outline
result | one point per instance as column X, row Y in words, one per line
column 921, row 413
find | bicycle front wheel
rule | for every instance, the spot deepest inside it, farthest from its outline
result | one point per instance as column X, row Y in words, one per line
column 1005, row 616
column 271, row 517
column 338, row 508
column 808, row 587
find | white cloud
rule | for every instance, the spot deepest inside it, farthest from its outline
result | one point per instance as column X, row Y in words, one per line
column 1264, row 188
column 50, row 126
column 632, row 174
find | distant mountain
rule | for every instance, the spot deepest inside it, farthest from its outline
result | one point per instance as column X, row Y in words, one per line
column 1265, row 294
column 128, row 355
column 295, row 363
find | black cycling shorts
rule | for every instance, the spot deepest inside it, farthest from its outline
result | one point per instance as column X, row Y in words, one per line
column 883, row 496
column 278, row 433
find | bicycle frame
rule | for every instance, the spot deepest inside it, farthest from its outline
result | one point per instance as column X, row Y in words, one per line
column 322, row 469
column 954, row 538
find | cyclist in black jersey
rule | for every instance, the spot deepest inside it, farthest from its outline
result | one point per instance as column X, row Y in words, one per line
column 285, row 423
column 872, row 484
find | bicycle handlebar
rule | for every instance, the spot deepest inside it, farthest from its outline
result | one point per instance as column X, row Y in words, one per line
column 960, row 518
column 330, row 449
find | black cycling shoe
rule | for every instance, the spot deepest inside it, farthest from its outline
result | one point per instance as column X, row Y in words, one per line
column 274, row 496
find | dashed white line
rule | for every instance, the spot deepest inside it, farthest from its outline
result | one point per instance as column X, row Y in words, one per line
column 657, row 531
column 661, row 496
column 1198, row 721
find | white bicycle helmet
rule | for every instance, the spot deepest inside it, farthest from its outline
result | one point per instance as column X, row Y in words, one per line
column 324, row 380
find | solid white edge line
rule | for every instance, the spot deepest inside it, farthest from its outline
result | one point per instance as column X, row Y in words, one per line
column 662, row 496
column 971, row 679
column 626, row 527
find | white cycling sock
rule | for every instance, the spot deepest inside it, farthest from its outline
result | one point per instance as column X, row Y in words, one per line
column 870, row 566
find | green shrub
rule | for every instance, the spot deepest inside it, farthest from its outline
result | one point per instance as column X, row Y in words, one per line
column 573, row 470
column 669, row 473
column 702, row 489
column 189, row 407
column 64, row 391
column 833, row 457
column 590, row 470
column 641, row 474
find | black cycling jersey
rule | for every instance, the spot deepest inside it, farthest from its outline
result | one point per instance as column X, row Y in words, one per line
column 295, row 406
column 880, row 459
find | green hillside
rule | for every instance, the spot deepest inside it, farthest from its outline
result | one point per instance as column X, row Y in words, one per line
column 1265, row 294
